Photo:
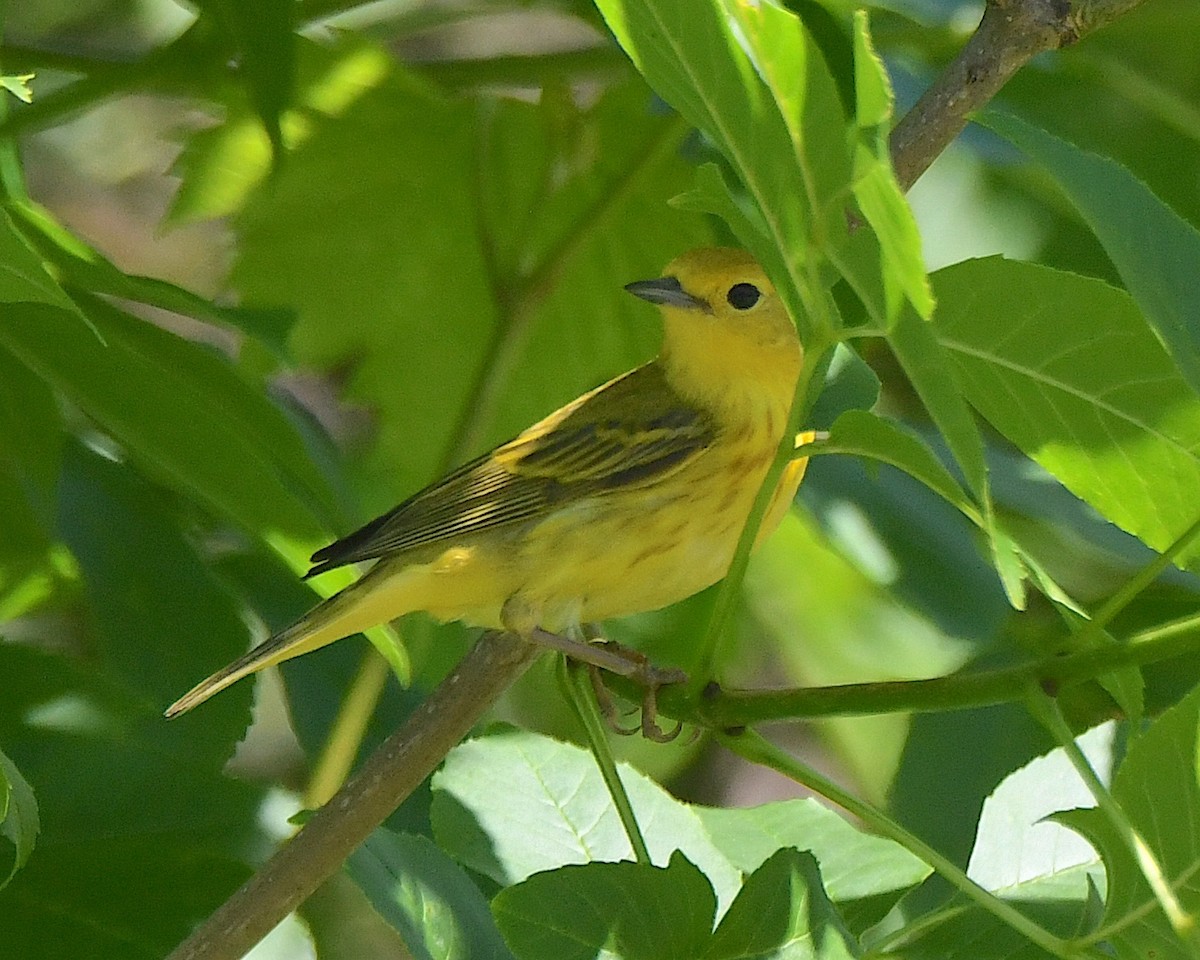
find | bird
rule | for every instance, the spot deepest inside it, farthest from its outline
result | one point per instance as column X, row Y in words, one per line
column 626, row 500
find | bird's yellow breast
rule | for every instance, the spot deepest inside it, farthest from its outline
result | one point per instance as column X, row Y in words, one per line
column 619, row 554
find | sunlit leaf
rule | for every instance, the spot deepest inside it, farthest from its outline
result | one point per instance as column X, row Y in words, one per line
column 1071, row 374
column 555, row 810
column 1155, row 250
column 1164, row 756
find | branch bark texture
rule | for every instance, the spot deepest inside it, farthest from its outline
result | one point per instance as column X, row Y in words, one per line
column 1011, row 33
column 390, row 774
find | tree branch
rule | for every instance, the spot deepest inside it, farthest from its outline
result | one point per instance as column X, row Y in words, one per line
column 1011, row 33
column 389, row 775
column 723, row 709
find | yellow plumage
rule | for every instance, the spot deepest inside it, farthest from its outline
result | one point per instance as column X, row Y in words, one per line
column 627, row 499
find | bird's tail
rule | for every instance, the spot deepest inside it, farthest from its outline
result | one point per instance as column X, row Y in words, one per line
column 376, row 598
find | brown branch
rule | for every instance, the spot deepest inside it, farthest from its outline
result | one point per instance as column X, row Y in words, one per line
column 391, row 773
column 1011, row 33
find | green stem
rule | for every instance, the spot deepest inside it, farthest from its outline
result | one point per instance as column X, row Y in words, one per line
column 349, row 727
column 812, row 374
column 997, row 686
column 1046, row 711
column 576, row 681
column 736, row 708
column 1139, row 582
column 756, row 749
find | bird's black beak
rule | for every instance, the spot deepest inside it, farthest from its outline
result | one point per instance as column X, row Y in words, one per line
column 667, row 291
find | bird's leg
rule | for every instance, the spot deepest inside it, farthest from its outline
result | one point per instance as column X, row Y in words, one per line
column 626, row 662
column 521, row 617
column 649, row 727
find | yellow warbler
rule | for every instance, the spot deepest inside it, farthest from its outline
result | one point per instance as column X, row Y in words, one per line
column 627, row 499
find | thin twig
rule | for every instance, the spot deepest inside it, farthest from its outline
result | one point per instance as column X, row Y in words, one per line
column 720, row 709
column 577, row 684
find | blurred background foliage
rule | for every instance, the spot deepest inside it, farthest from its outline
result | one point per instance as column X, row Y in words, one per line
column 275, row 265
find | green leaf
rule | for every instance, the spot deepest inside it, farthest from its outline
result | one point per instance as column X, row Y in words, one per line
column 31, row 433
column 18, row 86
column 139, row 839
column 1070, row 373
column 882, row 203
column 783, row 913
column 928, row 365
column 28, row 575
column 554, row 810
column 428, row 898
column 18, row 816
column 263, row 32
column 1158, row 789
column 1156, row 251
column 749, row 77
column 552, row 210
column 863, row 875
column 182, row 411
column 155, row 639
column 1059, row 902
column 34, row 678
column 620, row 911
column 23, row 277
column 712, row 194
column 79, row 738
column 966, row 753
column 112, row 899
column 31, row 438
column 221, row 165
column 863, row 434
column 850, row 384
column 1018, row 841
column 873, row 96
column 82, row 267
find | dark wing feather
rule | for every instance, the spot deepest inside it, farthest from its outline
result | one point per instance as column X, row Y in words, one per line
column 630, row 432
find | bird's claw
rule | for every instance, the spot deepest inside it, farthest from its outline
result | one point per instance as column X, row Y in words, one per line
column 650, row 728
column 651, row 678
column 625, row 662
column 608, row 708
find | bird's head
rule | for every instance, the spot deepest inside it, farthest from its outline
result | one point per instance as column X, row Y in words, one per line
column 723, row 324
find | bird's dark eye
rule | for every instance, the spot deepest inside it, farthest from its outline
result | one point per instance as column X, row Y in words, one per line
column 742, row 296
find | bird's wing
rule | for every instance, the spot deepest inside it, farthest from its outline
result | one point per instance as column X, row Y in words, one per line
column 632, row 431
